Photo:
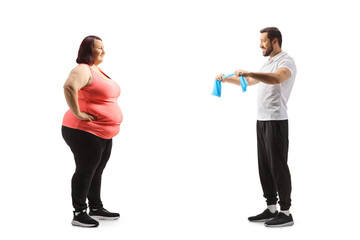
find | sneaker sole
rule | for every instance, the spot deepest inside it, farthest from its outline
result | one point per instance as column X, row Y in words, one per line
column 261, row 220
column 103, row 218
column 80, row 224
column 281, row 225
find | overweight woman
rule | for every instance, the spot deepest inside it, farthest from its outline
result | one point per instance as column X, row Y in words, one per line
column 93, row 119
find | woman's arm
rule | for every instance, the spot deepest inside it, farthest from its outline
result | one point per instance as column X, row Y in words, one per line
column 79, row 77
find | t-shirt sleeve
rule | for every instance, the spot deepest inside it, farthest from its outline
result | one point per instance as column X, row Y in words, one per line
column 289, row 64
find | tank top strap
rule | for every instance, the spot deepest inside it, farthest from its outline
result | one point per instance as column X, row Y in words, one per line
column 104, row 73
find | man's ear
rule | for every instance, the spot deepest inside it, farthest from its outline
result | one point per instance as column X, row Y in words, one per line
column 275, row 40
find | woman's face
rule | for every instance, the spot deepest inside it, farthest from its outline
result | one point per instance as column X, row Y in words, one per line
column 98, row 52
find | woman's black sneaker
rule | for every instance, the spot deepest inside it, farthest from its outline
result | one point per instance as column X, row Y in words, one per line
column 103, row 214
column 82, row 219
column 263, row 217
column 281, row 220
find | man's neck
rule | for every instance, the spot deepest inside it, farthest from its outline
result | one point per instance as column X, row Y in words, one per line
column 274, row 53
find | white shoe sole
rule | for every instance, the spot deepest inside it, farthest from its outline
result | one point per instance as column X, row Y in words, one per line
column 103, row 218
column 80, row 224
column 262, row 220
column 281, row 225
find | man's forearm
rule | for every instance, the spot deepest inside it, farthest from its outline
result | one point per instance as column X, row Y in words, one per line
column 268, row 78
column 236, row 80
column 233, row 80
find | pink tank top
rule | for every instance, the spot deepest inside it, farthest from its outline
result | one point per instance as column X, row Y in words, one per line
column 100, row 100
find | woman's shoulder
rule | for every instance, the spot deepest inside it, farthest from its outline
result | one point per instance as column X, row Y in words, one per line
column 82, row 69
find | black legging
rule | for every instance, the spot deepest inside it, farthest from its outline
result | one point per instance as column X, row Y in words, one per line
column 91, row 154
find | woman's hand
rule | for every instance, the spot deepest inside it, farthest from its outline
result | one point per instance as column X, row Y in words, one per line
column 86, row 116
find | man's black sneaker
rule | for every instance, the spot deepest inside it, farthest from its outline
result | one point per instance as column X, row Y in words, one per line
column 281, row 220
column 103, row 214
column 263, row 217
column 82, row 219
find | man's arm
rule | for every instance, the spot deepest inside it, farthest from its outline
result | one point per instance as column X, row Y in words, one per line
column 277, row 77
column 235, row 80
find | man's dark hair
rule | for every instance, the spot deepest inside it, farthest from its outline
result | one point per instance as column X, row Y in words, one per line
column 273, row 33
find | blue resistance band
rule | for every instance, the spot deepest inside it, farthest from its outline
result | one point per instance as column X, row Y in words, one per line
column 243, row 83
column 217, row 85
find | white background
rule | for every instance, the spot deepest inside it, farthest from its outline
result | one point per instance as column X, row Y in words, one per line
column 184, row 165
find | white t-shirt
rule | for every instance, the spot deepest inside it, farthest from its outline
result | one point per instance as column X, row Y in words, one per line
column 272, row 98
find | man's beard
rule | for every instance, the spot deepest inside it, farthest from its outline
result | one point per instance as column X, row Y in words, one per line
column 269, row 51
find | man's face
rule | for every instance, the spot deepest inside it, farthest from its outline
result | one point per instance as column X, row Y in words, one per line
column 265, row 44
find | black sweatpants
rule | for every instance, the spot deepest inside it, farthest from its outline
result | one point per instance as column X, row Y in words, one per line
column 272, row 145
column 91, row 154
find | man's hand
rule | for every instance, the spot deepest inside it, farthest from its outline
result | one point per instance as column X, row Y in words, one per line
column 218, row 77
column 241, row 72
